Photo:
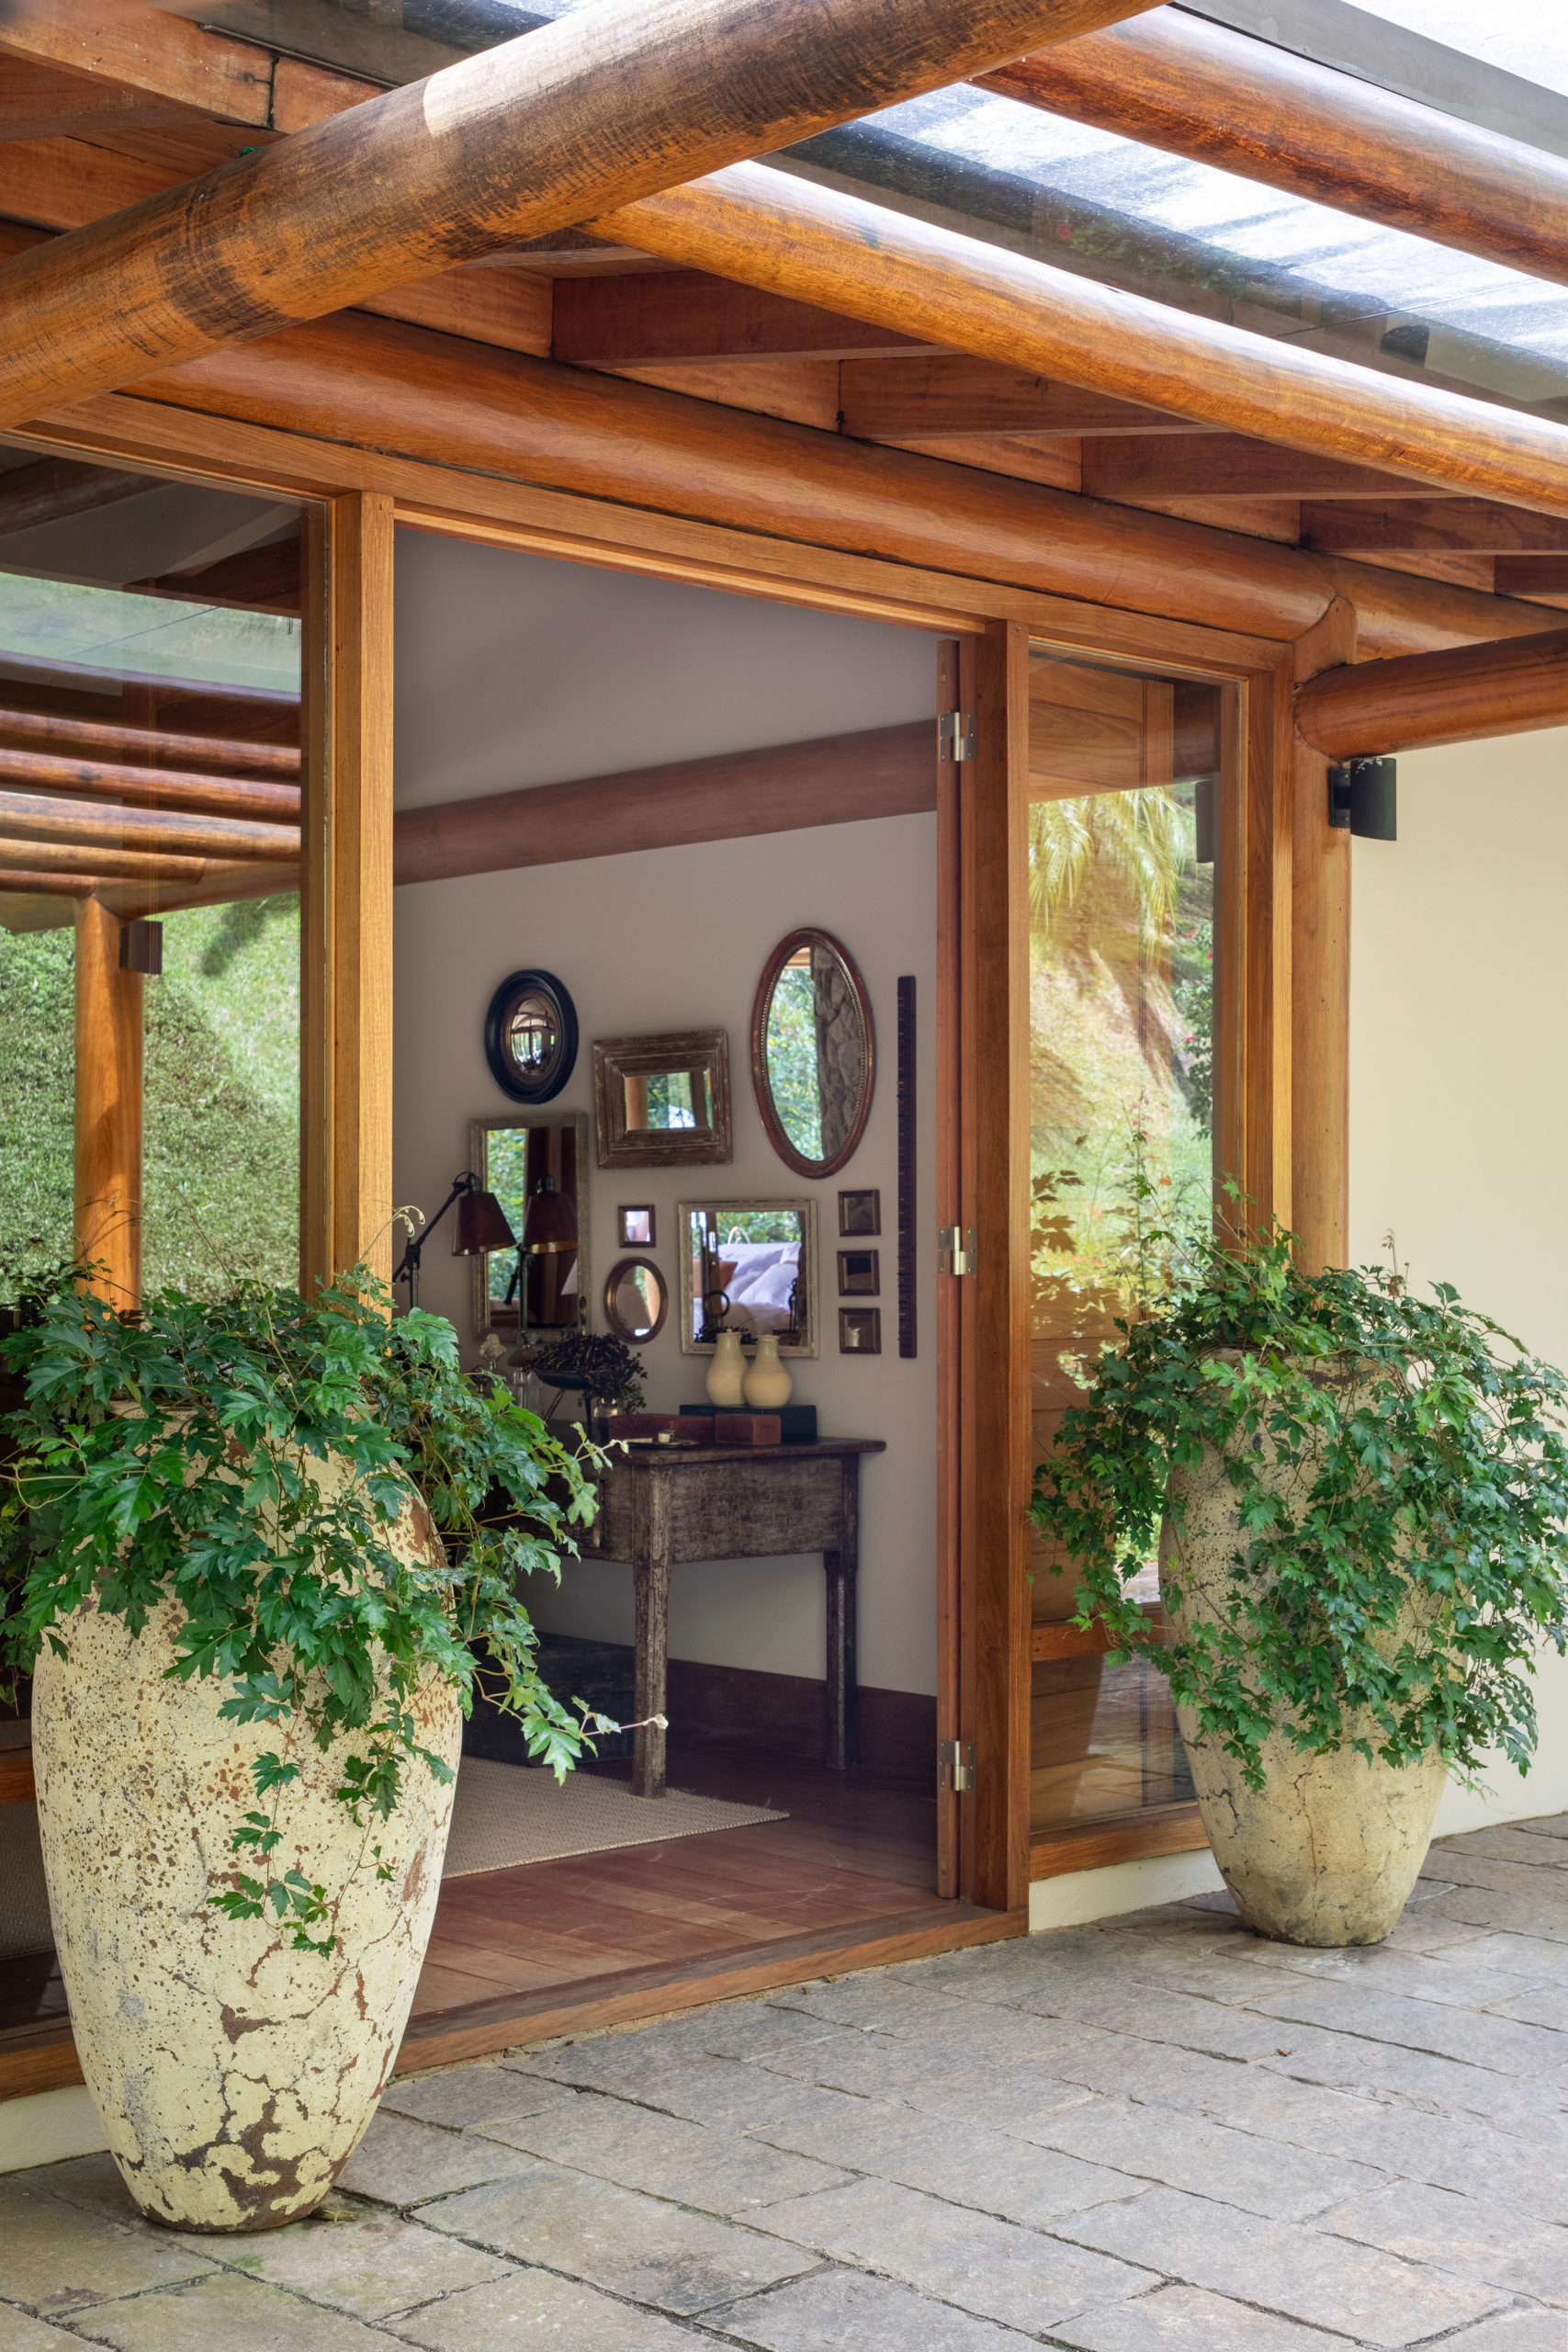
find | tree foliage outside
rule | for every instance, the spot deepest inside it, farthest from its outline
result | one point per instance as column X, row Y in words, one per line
column 220, row 1144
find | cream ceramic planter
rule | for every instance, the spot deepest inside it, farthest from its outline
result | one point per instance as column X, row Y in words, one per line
column 1328, row 1851
column 234, row 2075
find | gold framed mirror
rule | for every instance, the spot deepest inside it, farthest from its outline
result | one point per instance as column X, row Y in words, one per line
column 813, row 1052
column 748, row 1266
column 536, row 1165
column 663, row 1102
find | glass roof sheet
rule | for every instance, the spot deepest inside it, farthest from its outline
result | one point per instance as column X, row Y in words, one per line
column 1182, row 232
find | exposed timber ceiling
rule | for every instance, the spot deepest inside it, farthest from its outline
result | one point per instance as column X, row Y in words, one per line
column 166, row 98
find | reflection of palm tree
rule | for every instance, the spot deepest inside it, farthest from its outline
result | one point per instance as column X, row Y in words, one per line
column 1139, row 838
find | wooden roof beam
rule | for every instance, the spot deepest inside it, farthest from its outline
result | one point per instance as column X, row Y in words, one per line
column 140, row 869
column 1216, row 97
column 1429, row 526
column 53, row 489
column 141, row 748
column 27, row 817
column 1530, row 575
column 1225, row 465
column 1425, row 699
column 649, row 321
column 816, row 245
column 379, row 386
column 148, row 787
column 949, row 396
column 584, row 114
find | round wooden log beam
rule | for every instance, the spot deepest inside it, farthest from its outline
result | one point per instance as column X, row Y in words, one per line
column 83, row 868
column 1216, row 97
column 1426, row 699
column 203, row 755
column 817, row 245
column 593, row 110
column 49, row 885
column 378, row 384
column 215, row 795
column 27, row 817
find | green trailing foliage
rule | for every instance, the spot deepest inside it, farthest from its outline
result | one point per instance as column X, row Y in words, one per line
column 184, row 1454
column 1429, row 1460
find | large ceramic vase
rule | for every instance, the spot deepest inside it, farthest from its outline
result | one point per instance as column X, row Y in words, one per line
column 1327, row 1851
column 234, row 2075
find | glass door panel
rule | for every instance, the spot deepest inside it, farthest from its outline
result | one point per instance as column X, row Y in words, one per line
column 1126, row 796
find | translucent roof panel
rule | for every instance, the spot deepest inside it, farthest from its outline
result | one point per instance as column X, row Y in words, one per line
column 1184, row 233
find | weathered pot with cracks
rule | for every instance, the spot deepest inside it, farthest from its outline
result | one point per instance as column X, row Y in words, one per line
column 1327, row 1851
column 234, row 2075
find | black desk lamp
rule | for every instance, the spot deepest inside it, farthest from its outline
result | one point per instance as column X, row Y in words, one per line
column 481, row 1225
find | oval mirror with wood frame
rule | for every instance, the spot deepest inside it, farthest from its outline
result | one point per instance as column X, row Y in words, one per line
column 636, row 1300
column 813, row 1052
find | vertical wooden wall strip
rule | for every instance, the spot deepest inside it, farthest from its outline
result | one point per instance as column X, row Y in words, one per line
column 1267, row 983
column 109, row 1023
column 1320, row 918
column 948, row 1204
column 994, row 1298
column 347, row 1080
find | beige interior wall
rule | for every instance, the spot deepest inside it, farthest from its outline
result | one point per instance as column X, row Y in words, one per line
column 511, row 671
column 1459, row 1093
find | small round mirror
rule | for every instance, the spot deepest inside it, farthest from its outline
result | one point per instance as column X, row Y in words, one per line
column 813, row 1052
column 531, row 1036
column 636, row 1300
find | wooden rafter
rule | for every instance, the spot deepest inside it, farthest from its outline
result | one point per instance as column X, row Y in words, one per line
column 1200, row 90
column 949, row 396
column 1440, row 525
column 143, row 747
column 33, row 817
column 26, row 770
column 1222, row 465
column 649, row 320
column 51, row 490
column 1426, row 699
column 526, row 137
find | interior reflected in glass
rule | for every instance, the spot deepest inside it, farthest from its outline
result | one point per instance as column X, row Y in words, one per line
column 1127, row 832
column 748, row 1266
column 537, row 1169
column 636, row 1300
column 813, row 1052
column 658, row 1102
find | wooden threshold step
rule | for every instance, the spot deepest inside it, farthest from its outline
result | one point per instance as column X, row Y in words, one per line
column 478, row 2031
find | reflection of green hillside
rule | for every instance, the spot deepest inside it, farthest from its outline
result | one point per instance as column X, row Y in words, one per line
column 220, row 1174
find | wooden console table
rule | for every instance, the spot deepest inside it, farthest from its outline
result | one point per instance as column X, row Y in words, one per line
column 662, row 1505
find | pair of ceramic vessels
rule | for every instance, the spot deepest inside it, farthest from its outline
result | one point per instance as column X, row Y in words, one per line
column 764, row 1383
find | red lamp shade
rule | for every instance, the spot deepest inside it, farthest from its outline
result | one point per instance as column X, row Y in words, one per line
column 551, row 1224
column 482, row 1224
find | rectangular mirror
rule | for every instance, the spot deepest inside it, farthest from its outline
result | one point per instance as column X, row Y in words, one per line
column 748, row 1266
column 536, row 1165
column 663, row 1102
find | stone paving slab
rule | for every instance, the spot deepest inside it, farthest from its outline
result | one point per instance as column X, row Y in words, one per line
column 635, row 2246
column 1027, row 2280
column 1158, row 2133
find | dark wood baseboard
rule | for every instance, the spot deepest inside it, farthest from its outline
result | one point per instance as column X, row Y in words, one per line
column 1125, row 1838
column 634, row 1994
column 38, row 2058
column 732, row 1706
column 782, row 1715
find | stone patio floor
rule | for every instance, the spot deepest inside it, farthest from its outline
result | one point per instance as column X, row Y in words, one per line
column 1159, row 2131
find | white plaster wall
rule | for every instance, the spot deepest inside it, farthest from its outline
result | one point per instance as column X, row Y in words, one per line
column 1459, row 1110
column 513, row 670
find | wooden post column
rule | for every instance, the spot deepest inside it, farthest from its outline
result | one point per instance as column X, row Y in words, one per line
column 1320, row 979
column 993, row 1299
column 346, row 1046
column 109, row 1108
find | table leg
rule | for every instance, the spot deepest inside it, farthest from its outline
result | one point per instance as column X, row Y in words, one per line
column 842, row 1566
column 650, row 1582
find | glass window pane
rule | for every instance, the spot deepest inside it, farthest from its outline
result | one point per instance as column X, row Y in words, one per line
column 1124, row 783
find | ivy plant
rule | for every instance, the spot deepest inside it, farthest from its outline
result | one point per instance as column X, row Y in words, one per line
column 180, row 1454
column 1426, row 1460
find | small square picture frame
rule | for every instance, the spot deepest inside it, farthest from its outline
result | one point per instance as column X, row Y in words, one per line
column 637, row 1227
column 860, row 1214
column 860, row 1330
column 859, row 1274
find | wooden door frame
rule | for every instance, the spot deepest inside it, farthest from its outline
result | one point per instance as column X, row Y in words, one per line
column 347, row 1050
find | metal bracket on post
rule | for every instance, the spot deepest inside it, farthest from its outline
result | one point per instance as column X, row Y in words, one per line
column 955, row 1252
column 956, row 1766
column 956, row 735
